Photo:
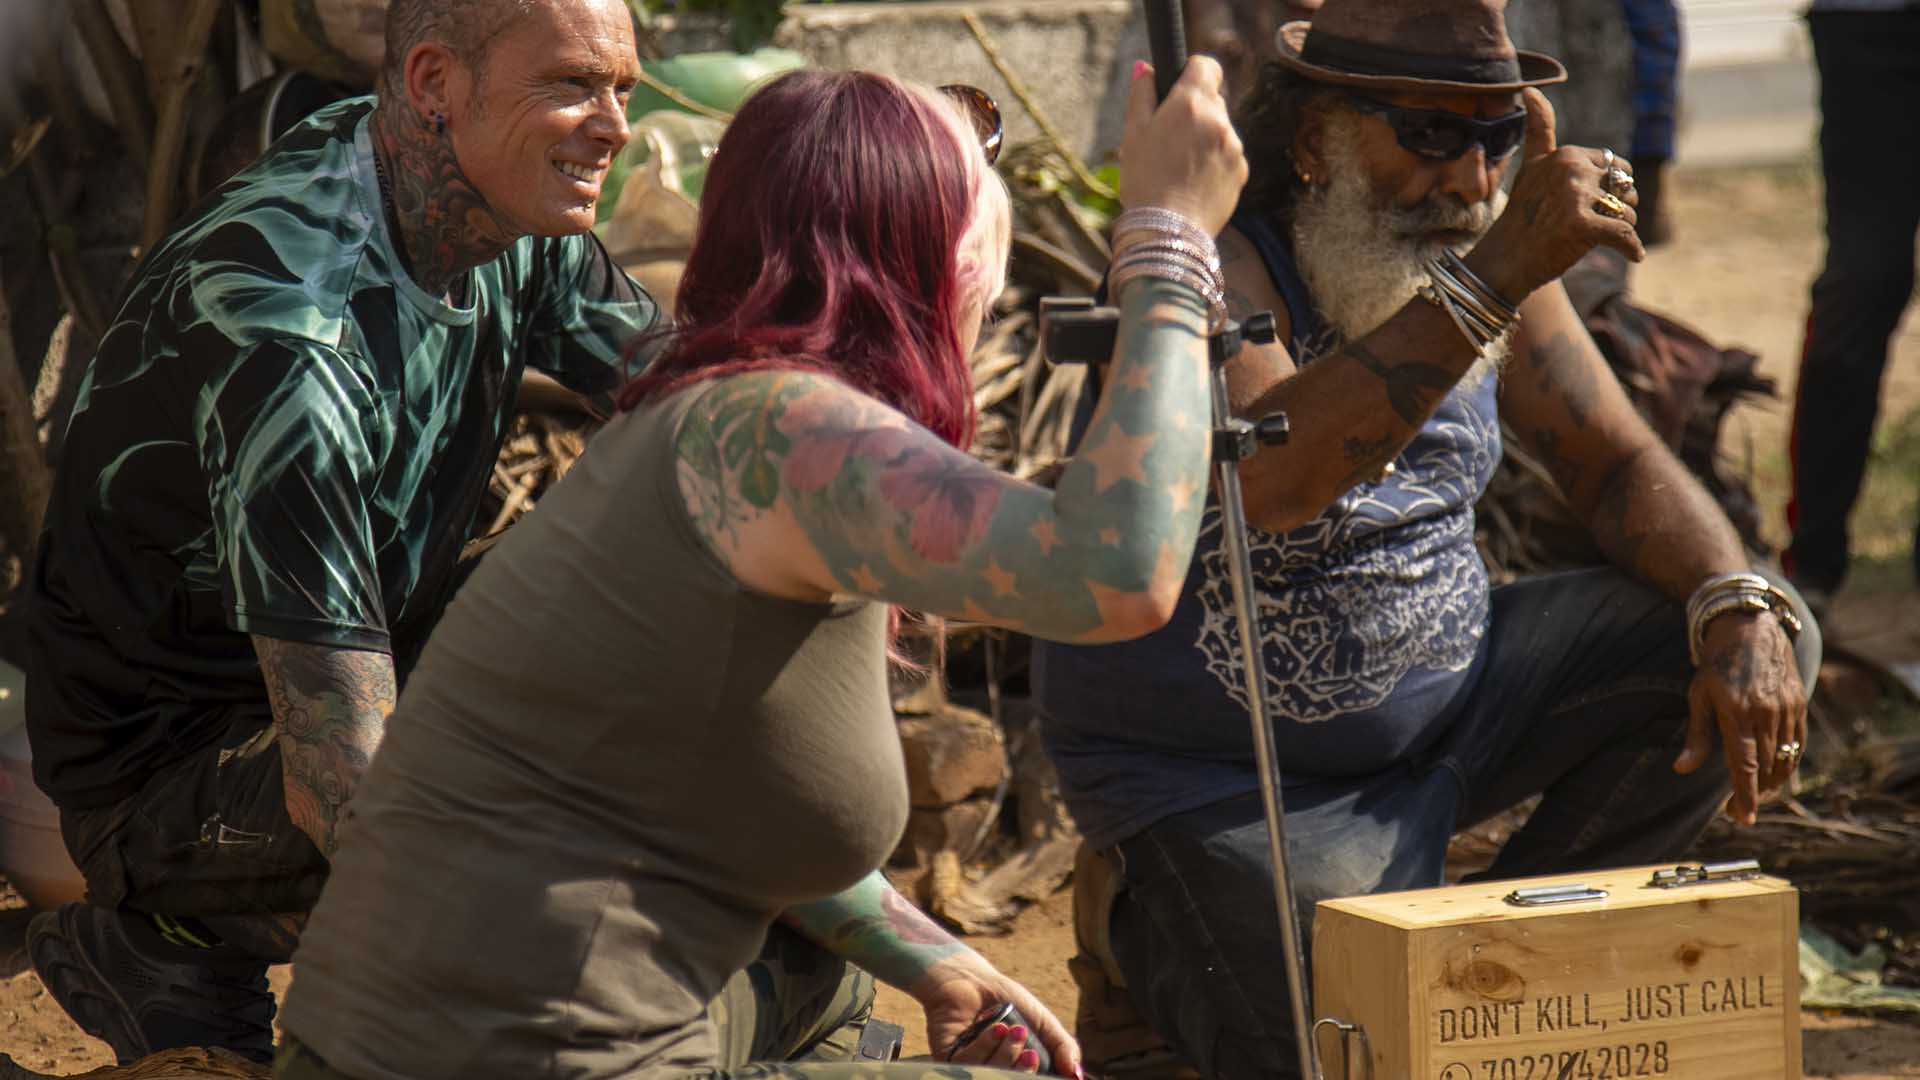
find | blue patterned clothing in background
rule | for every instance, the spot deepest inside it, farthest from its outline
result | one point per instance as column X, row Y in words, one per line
column 1655, row 28
column 281, row 434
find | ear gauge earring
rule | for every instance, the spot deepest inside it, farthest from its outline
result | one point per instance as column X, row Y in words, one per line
column 438, row 124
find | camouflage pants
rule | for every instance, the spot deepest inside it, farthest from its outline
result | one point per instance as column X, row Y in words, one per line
column 797, row 1012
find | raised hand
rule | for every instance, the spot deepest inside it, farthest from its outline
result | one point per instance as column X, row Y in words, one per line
column 1558, row 211
column 1182, row 153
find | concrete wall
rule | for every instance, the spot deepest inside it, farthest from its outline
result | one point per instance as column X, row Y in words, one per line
column 1072, row 55
column 1075, row 56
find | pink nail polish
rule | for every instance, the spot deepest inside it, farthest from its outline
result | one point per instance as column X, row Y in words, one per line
column 1000, row 1031
column 1139, row 68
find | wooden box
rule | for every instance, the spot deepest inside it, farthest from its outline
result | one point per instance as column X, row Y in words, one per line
column 1699, row 981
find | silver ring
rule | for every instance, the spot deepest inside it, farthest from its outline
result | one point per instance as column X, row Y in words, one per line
column 1606, row 159
column 1788, row 751
column 1618, row 180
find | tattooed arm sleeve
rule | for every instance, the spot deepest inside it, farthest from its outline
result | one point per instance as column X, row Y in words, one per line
column 1645, row 510
column 330, row 707
column 800, row 484
column 872, row 926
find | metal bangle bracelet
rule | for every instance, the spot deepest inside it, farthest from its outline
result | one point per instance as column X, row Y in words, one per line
column 1491, row 321
column 1174, row 275
column 1186, row 264
column 1495, row 313
column 1485, row 331
column 1161, row 219
column 1699, row 615
column 1490, row 324
column 1739, row 579
column 1144, row 253
column 1472, row 280
column 1179, row 273
column 1744, row 601
column 1728, row 582
column 1768, row 598
column 1440, row 299
column 1205, row 257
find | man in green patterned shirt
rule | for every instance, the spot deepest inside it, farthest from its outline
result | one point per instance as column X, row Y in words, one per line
column 271, row 467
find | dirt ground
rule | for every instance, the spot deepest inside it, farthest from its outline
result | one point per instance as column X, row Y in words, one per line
column 1747, row 246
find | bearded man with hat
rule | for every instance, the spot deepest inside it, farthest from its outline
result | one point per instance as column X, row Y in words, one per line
column 1407, row 219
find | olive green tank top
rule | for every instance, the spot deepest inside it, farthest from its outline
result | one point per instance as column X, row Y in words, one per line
column 613, row 767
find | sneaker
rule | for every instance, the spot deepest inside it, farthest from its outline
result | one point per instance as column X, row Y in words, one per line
column 126, row 985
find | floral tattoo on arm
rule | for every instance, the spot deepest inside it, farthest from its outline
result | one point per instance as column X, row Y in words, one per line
column 895, row 513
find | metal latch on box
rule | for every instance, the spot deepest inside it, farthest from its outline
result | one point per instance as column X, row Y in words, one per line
column 1700, row 873
column 1541, row 895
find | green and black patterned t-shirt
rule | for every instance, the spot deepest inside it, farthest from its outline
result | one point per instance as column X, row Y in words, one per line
column 281, row 434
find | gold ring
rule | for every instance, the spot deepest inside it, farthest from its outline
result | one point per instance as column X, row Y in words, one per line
column 1788, row 751
column 1609, row 204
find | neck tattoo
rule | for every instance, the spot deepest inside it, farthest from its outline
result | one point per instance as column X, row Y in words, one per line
column 456, row 289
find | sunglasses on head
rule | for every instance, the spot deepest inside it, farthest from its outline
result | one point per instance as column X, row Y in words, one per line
column 1439, row 135
column 983, row 112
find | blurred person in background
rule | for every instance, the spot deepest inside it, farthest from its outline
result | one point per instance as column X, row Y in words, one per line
column 1868, row 55
column 1655, row 28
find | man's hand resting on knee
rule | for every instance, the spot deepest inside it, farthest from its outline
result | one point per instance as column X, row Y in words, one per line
column 1749, row 686
column 873, row 926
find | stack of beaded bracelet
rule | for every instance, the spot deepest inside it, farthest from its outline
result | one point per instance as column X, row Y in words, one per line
column 1724, row 593
column 1481, row 314
column 1150, row 241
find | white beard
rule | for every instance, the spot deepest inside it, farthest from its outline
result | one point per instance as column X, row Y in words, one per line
column 1362, row 261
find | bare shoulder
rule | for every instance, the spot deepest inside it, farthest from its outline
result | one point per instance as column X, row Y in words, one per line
column 1250, row 287
column 1250, row 290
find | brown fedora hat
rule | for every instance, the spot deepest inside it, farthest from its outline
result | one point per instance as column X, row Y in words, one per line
column 1415, row 45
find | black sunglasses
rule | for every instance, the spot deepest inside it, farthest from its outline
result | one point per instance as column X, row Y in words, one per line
column 983, row 112
column 1443, row 136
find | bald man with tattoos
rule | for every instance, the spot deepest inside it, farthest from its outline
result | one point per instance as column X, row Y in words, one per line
column 1407, row 219
column 271, row 468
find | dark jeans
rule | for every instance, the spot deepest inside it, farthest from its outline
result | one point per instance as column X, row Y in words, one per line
column 1582, row 699
column 1870, row 153
column 209, row 838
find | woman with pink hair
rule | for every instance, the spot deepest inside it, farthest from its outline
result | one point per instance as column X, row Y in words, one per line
column 651, row 738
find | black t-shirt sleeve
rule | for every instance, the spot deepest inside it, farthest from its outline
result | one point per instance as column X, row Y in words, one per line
column 589, row 310
column 290, row 459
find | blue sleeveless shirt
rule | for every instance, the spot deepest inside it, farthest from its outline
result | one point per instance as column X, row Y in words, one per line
column 1371, row 620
